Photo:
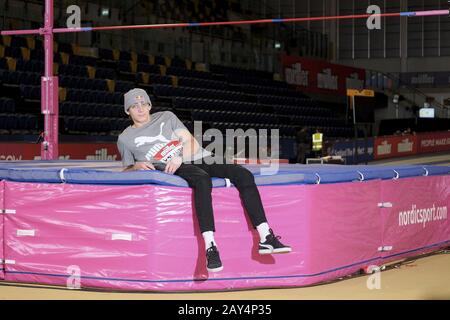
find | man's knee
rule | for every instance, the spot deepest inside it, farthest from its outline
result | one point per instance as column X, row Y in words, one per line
column 201, row 181
column 243, row 176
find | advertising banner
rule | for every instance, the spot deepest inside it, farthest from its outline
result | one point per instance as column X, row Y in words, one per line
column 67, row 151
column 318, row 76
column 395, row 146
column 433, row 142
column 346, row 149
column 415, row 219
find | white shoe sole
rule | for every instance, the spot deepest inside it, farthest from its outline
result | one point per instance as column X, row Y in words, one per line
column 215, row 269
column 271, row 250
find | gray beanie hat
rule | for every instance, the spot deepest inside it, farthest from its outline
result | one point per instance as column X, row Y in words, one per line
column 133, row 96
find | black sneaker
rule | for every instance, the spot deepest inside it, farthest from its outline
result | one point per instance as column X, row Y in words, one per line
column 213, row 259
column 273, row 245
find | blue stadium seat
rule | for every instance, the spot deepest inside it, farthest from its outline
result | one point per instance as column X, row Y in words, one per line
column 125, row 55
column 179, row 63
column 105, row 54
column 77, row 109
column 99, row 84
column 114, row 123
column 37, row 66
column 124, row 86
column 3, row 64
column 104, row 125
column 105, row 73
column 14, row 52
column 142, row 58
column 37, row 54
column 93, row 96
column 91, row 125
column 12, row 122
column 161, row 79
column 81, row 60
column 124, row 66
column 65, row 47
column 118, row 97
column 108, row 98
column 160, row 60
column 31, row 123
column 7, row 105
column 3, row 119
column 19, row 42
column 149, row 68
column 97, row 110
column 81, row 83
column 64, row 108
column 100, row 96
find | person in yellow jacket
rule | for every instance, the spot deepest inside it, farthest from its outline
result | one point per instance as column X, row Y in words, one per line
column 317, row 143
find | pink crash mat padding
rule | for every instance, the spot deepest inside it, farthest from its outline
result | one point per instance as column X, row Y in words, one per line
column 146, row 238
column 2, row 215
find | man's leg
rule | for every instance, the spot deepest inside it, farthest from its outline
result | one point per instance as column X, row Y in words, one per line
column 244, row 181
column 298, row 160
column 300, row 153
column 200, row 182
column 304, row 152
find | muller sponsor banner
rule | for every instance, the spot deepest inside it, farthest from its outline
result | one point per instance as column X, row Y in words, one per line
column 425, row 79
column 67, row 151
column 399, row 146
column 319, row 76
column 395, row 146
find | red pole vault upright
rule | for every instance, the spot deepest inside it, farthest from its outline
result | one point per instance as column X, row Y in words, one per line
column 49, row 83
column 49, row 91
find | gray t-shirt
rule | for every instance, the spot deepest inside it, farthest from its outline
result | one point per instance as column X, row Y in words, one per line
column 154, row 142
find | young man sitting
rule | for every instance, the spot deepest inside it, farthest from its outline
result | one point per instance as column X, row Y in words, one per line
column 161, row 141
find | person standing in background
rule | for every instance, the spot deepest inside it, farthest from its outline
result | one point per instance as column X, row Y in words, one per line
column 303, row 144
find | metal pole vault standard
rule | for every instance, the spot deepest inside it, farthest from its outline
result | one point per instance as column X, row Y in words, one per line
column 49, row 91
column 49, row 83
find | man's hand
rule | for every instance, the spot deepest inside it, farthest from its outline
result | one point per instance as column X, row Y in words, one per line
column 143, row 166
column 173, row 165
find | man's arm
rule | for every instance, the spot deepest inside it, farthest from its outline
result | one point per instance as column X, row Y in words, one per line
column 190, row 147
column 190, row 144
column 139, row 166
column 129, row 168
column 128, row 159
